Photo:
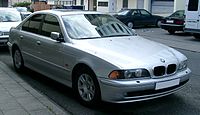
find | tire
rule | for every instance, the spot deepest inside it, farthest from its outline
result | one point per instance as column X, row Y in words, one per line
column 130, row 25
column 158, row 23
column 86, row 87
column 171, row 31
column 18, row 61
column 197, row 36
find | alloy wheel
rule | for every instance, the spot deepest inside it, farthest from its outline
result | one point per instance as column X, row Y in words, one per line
column 86, row 87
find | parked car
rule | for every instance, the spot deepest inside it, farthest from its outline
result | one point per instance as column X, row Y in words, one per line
column 138, row 17
column 174, row 22
column 23, row 12
column 97, row 55
column 9, row 17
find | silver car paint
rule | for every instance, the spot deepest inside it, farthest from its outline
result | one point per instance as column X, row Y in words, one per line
column 57, row 60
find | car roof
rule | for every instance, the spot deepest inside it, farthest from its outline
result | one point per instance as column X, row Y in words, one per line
column 61, row 12
column 4, row 8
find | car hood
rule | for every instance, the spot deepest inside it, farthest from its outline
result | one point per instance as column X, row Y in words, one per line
column 5, row 26
column 129, row 52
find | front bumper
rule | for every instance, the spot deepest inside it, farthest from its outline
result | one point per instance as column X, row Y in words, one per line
column 138, row 90
column 4, row 40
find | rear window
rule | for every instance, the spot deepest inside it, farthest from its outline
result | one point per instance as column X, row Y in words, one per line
column 193, row 5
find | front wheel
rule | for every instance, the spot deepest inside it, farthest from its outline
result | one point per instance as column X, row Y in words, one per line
column 86, row 87
column 197, row 36
column 18, row 60
column 158, row 23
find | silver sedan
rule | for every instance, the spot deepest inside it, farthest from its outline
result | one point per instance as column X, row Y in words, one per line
column 96, row 55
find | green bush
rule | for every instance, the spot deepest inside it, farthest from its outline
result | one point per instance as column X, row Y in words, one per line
column 22, row 4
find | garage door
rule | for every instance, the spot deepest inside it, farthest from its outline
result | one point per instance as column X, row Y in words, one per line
column 162, row 7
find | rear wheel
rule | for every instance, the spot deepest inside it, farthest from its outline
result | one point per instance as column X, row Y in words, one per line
column 158, row 23
column 197, row 36
column 130, row 25
column 86, row 87
column 171, row 31
column 18, row 60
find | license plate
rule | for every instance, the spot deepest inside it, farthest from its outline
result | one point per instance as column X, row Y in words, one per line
column 170, row 21
column 166, row 84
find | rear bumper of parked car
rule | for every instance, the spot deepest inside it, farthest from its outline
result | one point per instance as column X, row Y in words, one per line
column 115, row 91
column 4, row 40
column 172, row 27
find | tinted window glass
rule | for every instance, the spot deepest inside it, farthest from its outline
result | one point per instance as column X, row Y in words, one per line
column 135, row 13
column 50, row 24
column 25, row 25
column 193, row 5
column 143, row 12
column 179, row 14
column 34, row 23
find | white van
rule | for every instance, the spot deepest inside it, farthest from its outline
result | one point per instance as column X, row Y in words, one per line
column 192, row 17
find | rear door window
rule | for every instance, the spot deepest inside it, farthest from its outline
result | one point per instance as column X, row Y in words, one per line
column 33, row 24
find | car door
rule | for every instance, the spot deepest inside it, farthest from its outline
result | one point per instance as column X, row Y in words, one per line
column 192, row 14
column 50, row 52
column 28, row 36
column 146, row 17
column 136, row 17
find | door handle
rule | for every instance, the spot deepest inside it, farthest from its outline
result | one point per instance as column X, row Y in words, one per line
column 38, row 43
column 21, row 37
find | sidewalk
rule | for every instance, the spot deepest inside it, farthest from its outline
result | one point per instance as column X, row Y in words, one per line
column 19, row 98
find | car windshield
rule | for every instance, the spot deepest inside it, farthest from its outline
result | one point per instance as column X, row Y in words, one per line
column 9, row 16
column 179, row 13
column 123, row 12
column 87, row 26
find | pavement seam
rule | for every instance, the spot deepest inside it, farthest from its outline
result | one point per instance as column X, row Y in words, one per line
column 7, row 70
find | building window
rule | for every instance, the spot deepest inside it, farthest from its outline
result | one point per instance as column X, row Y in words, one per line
column 125, row 4
column 82, row 2
column 104, row 4
column 193, row 5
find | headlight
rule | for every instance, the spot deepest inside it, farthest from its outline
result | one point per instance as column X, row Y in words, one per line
column 127, row 74
column 182, row 65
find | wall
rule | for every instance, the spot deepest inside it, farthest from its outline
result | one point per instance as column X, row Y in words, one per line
column 102, row 8
column 179, row 5
column 132, row 4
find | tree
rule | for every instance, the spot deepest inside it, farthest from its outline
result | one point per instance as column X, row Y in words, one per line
column 22, row 4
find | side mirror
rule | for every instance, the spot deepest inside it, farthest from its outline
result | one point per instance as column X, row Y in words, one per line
column 56, row 36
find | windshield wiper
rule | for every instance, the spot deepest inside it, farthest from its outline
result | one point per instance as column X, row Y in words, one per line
column 117, row 35
column 87, row 38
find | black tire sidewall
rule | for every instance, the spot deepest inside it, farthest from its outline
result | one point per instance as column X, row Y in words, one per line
column 171, row 31
column 97, row 94
column 131, row 23
column 22, row 62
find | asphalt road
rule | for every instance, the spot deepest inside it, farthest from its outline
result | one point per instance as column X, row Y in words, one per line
column 184, row 102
